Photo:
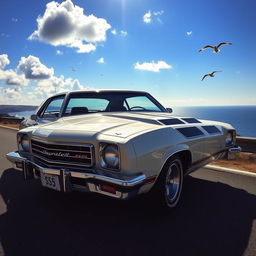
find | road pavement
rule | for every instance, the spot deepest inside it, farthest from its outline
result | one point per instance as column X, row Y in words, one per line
column 217, row 216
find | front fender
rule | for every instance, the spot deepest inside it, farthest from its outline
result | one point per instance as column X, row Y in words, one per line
column 172, row 151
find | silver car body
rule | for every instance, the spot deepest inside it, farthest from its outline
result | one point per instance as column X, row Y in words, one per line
column 145, row 142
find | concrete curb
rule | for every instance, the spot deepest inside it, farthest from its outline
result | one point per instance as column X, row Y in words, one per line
column 229, row 170
column 11, row 128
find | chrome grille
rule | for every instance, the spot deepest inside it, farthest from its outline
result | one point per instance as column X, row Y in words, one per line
column 52, row 153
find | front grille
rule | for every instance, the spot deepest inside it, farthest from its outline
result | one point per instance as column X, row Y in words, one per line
column 62, row 154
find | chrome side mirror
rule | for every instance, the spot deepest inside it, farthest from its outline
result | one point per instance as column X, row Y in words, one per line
column 33, row 117
column 169, row 110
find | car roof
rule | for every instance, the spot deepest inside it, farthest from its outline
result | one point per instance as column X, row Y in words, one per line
column 99, row 91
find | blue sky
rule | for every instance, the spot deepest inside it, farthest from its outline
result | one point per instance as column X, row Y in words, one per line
column 147, row 45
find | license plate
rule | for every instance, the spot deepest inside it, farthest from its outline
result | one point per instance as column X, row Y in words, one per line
column 50, row 181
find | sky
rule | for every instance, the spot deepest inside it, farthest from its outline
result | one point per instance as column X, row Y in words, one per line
column 152, row 45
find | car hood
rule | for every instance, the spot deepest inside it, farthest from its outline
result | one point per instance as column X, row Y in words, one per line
column 120, row 124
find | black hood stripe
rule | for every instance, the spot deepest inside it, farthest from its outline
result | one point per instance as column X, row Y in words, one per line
column 171, row 121
column 190, row 132
column 191, row 120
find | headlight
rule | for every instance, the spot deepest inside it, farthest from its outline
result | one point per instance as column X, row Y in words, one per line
column 109, row 156
column 23, row 143
column 230, row 138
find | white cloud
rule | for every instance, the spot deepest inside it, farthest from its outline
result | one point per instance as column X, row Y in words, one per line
column 152, row 66
column 101, row 60
column 123, row 33
column 12, row 93
column 113, row 31
column 158, row 13
column 47, row 87
column 33, row 68
column 77, row 86
column 44, row 82
column 66, row 24
column 4, row 61
column 189, row 33
column 58, row 52
column 83, row 48
column 14, row 19
column 149, row 16
column 10, row 76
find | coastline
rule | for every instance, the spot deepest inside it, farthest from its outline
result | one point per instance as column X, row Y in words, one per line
column 5, row 125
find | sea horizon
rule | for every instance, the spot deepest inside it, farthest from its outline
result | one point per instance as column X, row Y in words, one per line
column 237, row 105
column 241, row 117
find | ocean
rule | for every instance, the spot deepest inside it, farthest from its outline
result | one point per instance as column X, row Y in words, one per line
column 25, row 114
column 243, row 118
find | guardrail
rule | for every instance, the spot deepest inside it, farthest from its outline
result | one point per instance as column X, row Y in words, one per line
column 11, row 119
column 247, row 144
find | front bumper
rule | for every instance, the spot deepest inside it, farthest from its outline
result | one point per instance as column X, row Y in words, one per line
column 233, row 152
column 80, row 180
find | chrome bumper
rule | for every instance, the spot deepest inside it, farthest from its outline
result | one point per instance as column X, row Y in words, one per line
column 91, row 182
column 232, row 152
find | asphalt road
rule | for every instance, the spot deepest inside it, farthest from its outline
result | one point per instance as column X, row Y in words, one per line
column 217, row 216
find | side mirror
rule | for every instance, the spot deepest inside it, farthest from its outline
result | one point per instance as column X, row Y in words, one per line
column 33, row 117
column 169, row 110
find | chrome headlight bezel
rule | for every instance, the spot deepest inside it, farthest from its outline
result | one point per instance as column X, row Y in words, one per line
column 109, row 156
column 23, row 143
column 230, row 138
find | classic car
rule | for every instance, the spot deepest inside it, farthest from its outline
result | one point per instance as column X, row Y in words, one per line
column 119, row 143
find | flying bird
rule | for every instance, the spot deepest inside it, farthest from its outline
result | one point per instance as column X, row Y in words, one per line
column 210, row 74
column 215, row 47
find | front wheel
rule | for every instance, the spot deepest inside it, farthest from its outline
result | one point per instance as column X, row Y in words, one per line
column 169, row 186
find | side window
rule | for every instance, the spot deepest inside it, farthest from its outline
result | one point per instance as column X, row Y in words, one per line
column 52, row 110
column 141, row 103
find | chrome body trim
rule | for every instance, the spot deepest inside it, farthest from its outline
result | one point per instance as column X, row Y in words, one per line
column 233, row 152
column 15, row 157
column 35, row 138
column 235, row 149
column 46, row 149
column 65, row 174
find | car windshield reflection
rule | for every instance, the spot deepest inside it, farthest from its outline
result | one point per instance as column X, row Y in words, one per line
column 83, row 103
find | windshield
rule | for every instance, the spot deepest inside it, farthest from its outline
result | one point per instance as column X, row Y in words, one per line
column 82, row 103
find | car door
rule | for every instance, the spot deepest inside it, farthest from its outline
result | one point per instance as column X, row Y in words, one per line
column 50, row 111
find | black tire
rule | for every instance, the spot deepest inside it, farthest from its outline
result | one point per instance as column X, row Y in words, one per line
column 168, row 188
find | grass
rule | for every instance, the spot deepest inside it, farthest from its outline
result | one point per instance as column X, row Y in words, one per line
column 9, row 125
column 243, row 161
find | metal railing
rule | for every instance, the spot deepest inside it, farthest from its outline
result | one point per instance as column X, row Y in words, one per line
column 11, row 119
column 247, row 144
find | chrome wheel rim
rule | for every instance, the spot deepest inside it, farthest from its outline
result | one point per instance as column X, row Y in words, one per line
column 173, row 182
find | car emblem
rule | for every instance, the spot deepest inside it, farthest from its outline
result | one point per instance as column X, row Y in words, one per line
column 61, row 154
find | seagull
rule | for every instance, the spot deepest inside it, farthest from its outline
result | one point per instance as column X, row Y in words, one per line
column 215, row 47
column 210, row 74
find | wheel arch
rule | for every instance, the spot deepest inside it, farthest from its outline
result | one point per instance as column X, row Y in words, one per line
column 185, row 157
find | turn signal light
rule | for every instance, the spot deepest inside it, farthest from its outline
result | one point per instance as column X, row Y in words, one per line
column 108, row 189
